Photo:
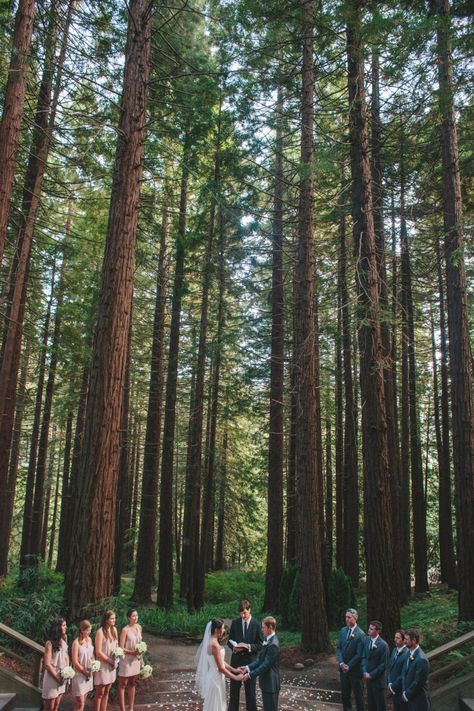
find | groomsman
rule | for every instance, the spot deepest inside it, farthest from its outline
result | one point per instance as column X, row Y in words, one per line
column 396, row 664
column 246, row 633
column 349, row 657
column 415, row 691
column 266, row 667
column 374, row 667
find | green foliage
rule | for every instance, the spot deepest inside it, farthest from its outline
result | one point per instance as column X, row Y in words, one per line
column 234, row 586
column 341, row 596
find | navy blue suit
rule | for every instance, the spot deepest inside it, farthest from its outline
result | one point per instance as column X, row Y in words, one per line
column 374, row 662
column 396, row 664
column 350, row 650
column 415, row 682
column 266, row 667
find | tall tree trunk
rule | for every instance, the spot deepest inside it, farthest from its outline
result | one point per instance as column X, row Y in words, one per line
column 70, row 500
column 28, row 508
column 314, row 636
column 416, row 469
column 339, row 429
column 390, row 394
column 207, row 529
column 52, row 535
column 165, row 547
column 125, row 478
column 382, row 600
column 328, row 518
column 37, row 163
column 36, row 532
column 220, row 562
column 460, row 355
column 146, row 550
column 291, row 502
column 8, row 497
column 447, row 555
column 191, row 528
column 65, row 494
column 274, row 570
column 90, row 573
column 13, row 101
column 47, row 498
column 400, row 489
column 350, row 454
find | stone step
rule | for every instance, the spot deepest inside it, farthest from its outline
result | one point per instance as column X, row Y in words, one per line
column 7, row 702
column 466, row 704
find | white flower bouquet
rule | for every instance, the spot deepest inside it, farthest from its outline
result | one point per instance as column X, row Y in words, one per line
column 141, row 647
column 67, row 673
column 117, row 654
column 146, row 671
column 94, row 666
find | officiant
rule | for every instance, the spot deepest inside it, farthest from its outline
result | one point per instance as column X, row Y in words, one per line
column 245, row 641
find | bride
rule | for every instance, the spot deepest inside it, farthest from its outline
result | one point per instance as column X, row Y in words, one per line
column 211, row 668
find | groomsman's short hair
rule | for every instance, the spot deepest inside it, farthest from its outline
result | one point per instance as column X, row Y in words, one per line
column 244, row 605
column 270, row 622
column 413, row 634
column 376, row 624
column 352, row 611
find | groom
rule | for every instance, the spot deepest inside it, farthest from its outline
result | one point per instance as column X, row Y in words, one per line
column 266, row 666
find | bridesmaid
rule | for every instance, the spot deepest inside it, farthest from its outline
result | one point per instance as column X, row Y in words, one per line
column 129, row 666
column 55, row 658
column 82, row 653
column 105, row 641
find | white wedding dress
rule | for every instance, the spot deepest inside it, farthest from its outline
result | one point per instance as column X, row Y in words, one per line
column 215, row 698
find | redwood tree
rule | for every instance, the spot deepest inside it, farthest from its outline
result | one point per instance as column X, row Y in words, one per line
column 90, row 573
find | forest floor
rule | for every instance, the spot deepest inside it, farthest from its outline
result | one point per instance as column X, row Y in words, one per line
column 314, row 688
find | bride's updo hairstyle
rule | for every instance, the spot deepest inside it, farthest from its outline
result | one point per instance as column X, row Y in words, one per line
column 216, row 625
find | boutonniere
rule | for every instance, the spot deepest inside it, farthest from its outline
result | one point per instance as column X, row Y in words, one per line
column 374, row 646
column 412, row 656
column 352, row 635
column 265, row 643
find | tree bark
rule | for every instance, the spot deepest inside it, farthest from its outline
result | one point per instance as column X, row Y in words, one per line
column 13, row 102
column 274, row 569
column 146, row 550
column 220, row 563
column 382, row 599
column 165, row 549
column 65, row 494
column 328, row 518
column 314, row 636
column 90, row 573
column 460, row 354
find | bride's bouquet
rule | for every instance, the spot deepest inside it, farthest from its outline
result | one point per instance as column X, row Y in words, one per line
column 146, row 671
column 141, row 647
column 94, row 666
column 117, row 654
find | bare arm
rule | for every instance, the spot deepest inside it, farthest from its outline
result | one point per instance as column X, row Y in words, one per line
column 99, row 654
column 75, row 659
column 47, row 656
column 224, row 668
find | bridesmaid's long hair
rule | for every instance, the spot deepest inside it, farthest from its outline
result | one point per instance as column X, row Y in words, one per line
column 55, row 634
column 109, row 632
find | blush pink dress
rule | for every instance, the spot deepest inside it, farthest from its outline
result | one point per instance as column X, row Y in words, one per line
column 130, row 664
column 107, row 674
column 60, row 659
column 80, row 684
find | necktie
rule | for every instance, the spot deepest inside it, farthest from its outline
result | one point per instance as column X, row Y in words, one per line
column 348, row 634
column 246, row 626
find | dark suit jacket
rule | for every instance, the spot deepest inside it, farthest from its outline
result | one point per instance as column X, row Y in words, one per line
column 350, row 651
column 374, row 661
column 266, row 667
column 396, row 664
column 254, row 638
column 415, row 682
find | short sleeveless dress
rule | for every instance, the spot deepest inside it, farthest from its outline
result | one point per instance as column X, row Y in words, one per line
column 107, row 674
column 80, row 685
column 59, row 660
column 130, row 665
column 215, row 698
